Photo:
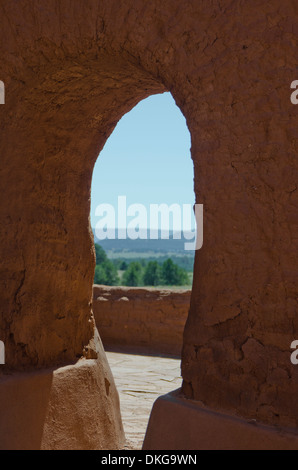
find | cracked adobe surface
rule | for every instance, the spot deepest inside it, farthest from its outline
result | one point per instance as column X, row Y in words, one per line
column 71, row 70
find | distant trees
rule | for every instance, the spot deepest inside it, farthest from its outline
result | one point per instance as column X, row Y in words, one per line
column 105, row 270
column 100, row 253
column 137, row 273
column 152, row 274
column 133, row 274
column 123, row 266
column 172, row 275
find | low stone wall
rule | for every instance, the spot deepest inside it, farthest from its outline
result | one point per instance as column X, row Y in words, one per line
column 141, row 319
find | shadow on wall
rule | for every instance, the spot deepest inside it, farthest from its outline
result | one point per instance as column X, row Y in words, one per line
column 27, row 413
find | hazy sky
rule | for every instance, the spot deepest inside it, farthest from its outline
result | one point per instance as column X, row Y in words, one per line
column 147, row 158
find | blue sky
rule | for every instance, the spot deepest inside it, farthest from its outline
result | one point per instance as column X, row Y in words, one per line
column 147, row 158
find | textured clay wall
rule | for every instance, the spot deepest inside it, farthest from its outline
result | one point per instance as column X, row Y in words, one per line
column 141, row 319
column 71, row 70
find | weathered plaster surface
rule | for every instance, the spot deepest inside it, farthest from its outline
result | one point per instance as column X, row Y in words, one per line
column 71, row 70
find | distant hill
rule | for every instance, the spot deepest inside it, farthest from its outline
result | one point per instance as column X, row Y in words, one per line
column 160, row 245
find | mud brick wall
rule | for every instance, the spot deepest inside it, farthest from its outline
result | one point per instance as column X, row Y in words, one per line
column 71, row 70
column 141, row 319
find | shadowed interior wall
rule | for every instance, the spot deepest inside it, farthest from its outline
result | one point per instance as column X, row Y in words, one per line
column 71, row 70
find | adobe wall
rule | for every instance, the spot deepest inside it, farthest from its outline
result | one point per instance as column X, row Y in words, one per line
column 71, row 70
column 142, row 320
column 75, row 407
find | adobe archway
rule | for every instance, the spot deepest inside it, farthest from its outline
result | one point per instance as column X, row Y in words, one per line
column 50, row 319
column 66, row 87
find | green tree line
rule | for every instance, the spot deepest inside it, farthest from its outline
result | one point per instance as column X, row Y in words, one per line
column 136, row 273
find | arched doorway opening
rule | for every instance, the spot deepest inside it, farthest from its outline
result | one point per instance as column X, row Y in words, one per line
column 141, row 318
column 50, row 288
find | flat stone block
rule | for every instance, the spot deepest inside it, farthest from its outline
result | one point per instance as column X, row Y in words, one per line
column 72, row 407
column 180, row 424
